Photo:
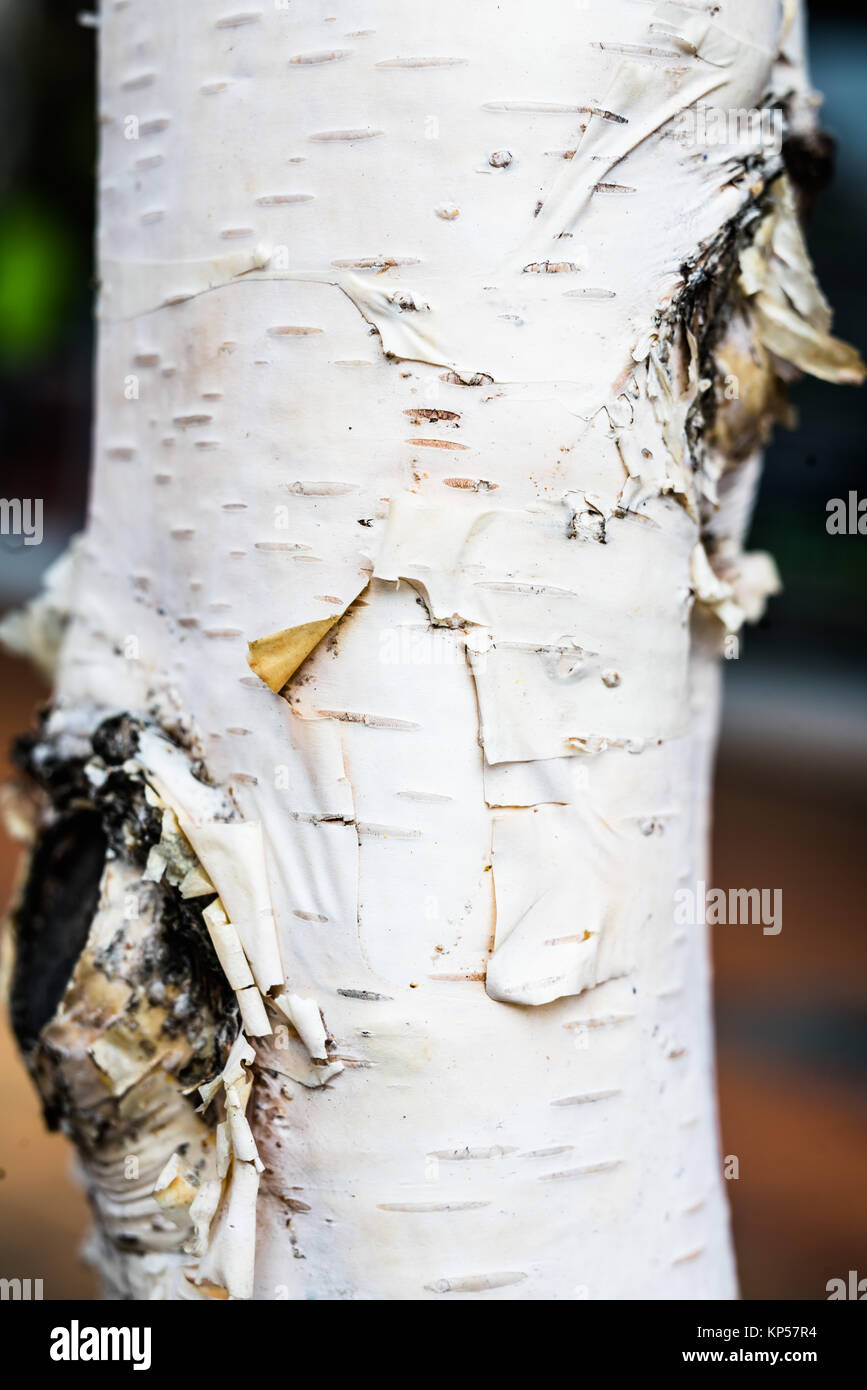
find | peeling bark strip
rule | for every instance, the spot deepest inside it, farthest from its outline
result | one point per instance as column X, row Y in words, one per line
column 396, row 708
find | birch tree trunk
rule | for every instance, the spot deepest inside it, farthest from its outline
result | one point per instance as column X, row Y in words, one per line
column 437, row 346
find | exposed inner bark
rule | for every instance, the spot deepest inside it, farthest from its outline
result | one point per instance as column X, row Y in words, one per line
column 86, row 822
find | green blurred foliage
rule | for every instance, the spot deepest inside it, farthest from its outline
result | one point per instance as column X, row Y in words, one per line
column 37, row 276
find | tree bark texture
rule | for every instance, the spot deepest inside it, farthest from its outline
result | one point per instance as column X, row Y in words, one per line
column 436, row 355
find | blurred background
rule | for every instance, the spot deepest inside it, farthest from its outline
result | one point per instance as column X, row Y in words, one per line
column 790, row 810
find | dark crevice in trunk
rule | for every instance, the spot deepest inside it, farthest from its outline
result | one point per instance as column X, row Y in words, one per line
column 53, row 920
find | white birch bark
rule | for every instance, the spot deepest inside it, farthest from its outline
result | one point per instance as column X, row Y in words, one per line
column 416, row 326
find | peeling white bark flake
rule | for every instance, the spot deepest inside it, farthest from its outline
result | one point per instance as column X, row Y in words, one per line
column 388, row 682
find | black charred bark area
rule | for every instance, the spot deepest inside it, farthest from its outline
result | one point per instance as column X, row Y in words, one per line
column 92, row 808
column 53, row 921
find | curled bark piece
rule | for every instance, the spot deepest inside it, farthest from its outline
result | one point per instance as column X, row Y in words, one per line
column 791, row 314
column 276, row 658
